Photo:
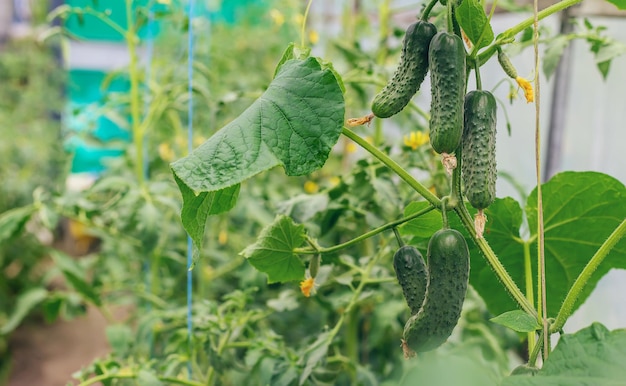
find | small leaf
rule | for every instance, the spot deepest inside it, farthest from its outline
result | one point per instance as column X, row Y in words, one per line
column 472, row 18
column 517, row 320
column 314, row 355
column 553, row 54
column 120, row 338
column 25, row 303
column 620, row 4
column 273, row 251
column 75, row 275
column 147, row 377
column 197, row 208
column 12, row 221
column 591, row 356
column 295, row 123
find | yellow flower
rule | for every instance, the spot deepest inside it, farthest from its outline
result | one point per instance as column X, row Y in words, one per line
column 416, row 139
column 311, row 187
column 277, row 17
column 165, row 152
column 298, row 19
column 334, row 181
column 528, row 88
column 313, row 37
column 307, row 286
column 222, row 237
column 350, row 147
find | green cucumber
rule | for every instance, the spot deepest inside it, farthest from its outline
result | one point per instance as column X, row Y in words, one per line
column 448, row 267
column 506, row 64
column 412, row 275
column 410, row 72
column 479, row 149
column 446, row 58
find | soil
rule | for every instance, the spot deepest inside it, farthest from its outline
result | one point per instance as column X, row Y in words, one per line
column 47, row 355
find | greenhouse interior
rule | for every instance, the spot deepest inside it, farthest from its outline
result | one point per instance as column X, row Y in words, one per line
column 312, row 192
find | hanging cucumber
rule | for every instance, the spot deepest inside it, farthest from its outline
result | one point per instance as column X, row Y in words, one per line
column 446, row 58
column 410, row 72
column 412, row 275
column 479, row 153
column 448, row 267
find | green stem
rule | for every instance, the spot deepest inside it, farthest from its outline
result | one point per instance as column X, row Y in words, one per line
column 373, row 232
column 391, row 164
column 429, row 7
column 108, row 377
column 508, row 36
column 495, row 264
column 528, row 274
column 532, row 357
column 304, row 19
column 135, row 98
column 511, row 32
column 449, row 17
column 582, row 279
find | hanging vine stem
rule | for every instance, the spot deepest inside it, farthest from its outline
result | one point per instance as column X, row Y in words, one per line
column 304, row 19
column 392, row 225
column 541, row 261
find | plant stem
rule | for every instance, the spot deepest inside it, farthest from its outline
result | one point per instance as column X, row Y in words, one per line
column 391, row 164
column 532, row 357
column 541, row 271
column 528, row 274
column 304, row 20
column 509, row 35
column 493, row 261
column 429, row 7
column 585, row 275
column 373, row 232
column 133, row 75
column 108, row 377
column 511, row 32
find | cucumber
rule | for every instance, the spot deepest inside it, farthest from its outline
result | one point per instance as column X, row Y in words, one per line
column 446, row 57
column 479, row 149
column 448, row 267
column 410, row 72
column 412, row 276
column 506, row 65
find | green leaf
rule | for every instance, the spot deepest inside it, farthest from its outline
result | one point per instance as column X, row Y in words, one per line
column 120, row 338
column 423, row 226
column 553, row 54
column 472, row 18
column 147, row 377
column 581, row 209
column 197, row 208
column 620, row 4
column 75, row 276
column 295, row 123
column 273, row 253
column 12, row 221
column 591, row 356
column 25, row 303
column 517, row 320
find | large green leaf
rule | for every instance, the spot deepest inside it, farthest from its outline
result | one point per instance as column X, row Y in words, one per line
column 592, row 356
column 295, row 123
column 272, row 253
column 472, row 18
column 581, row 209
